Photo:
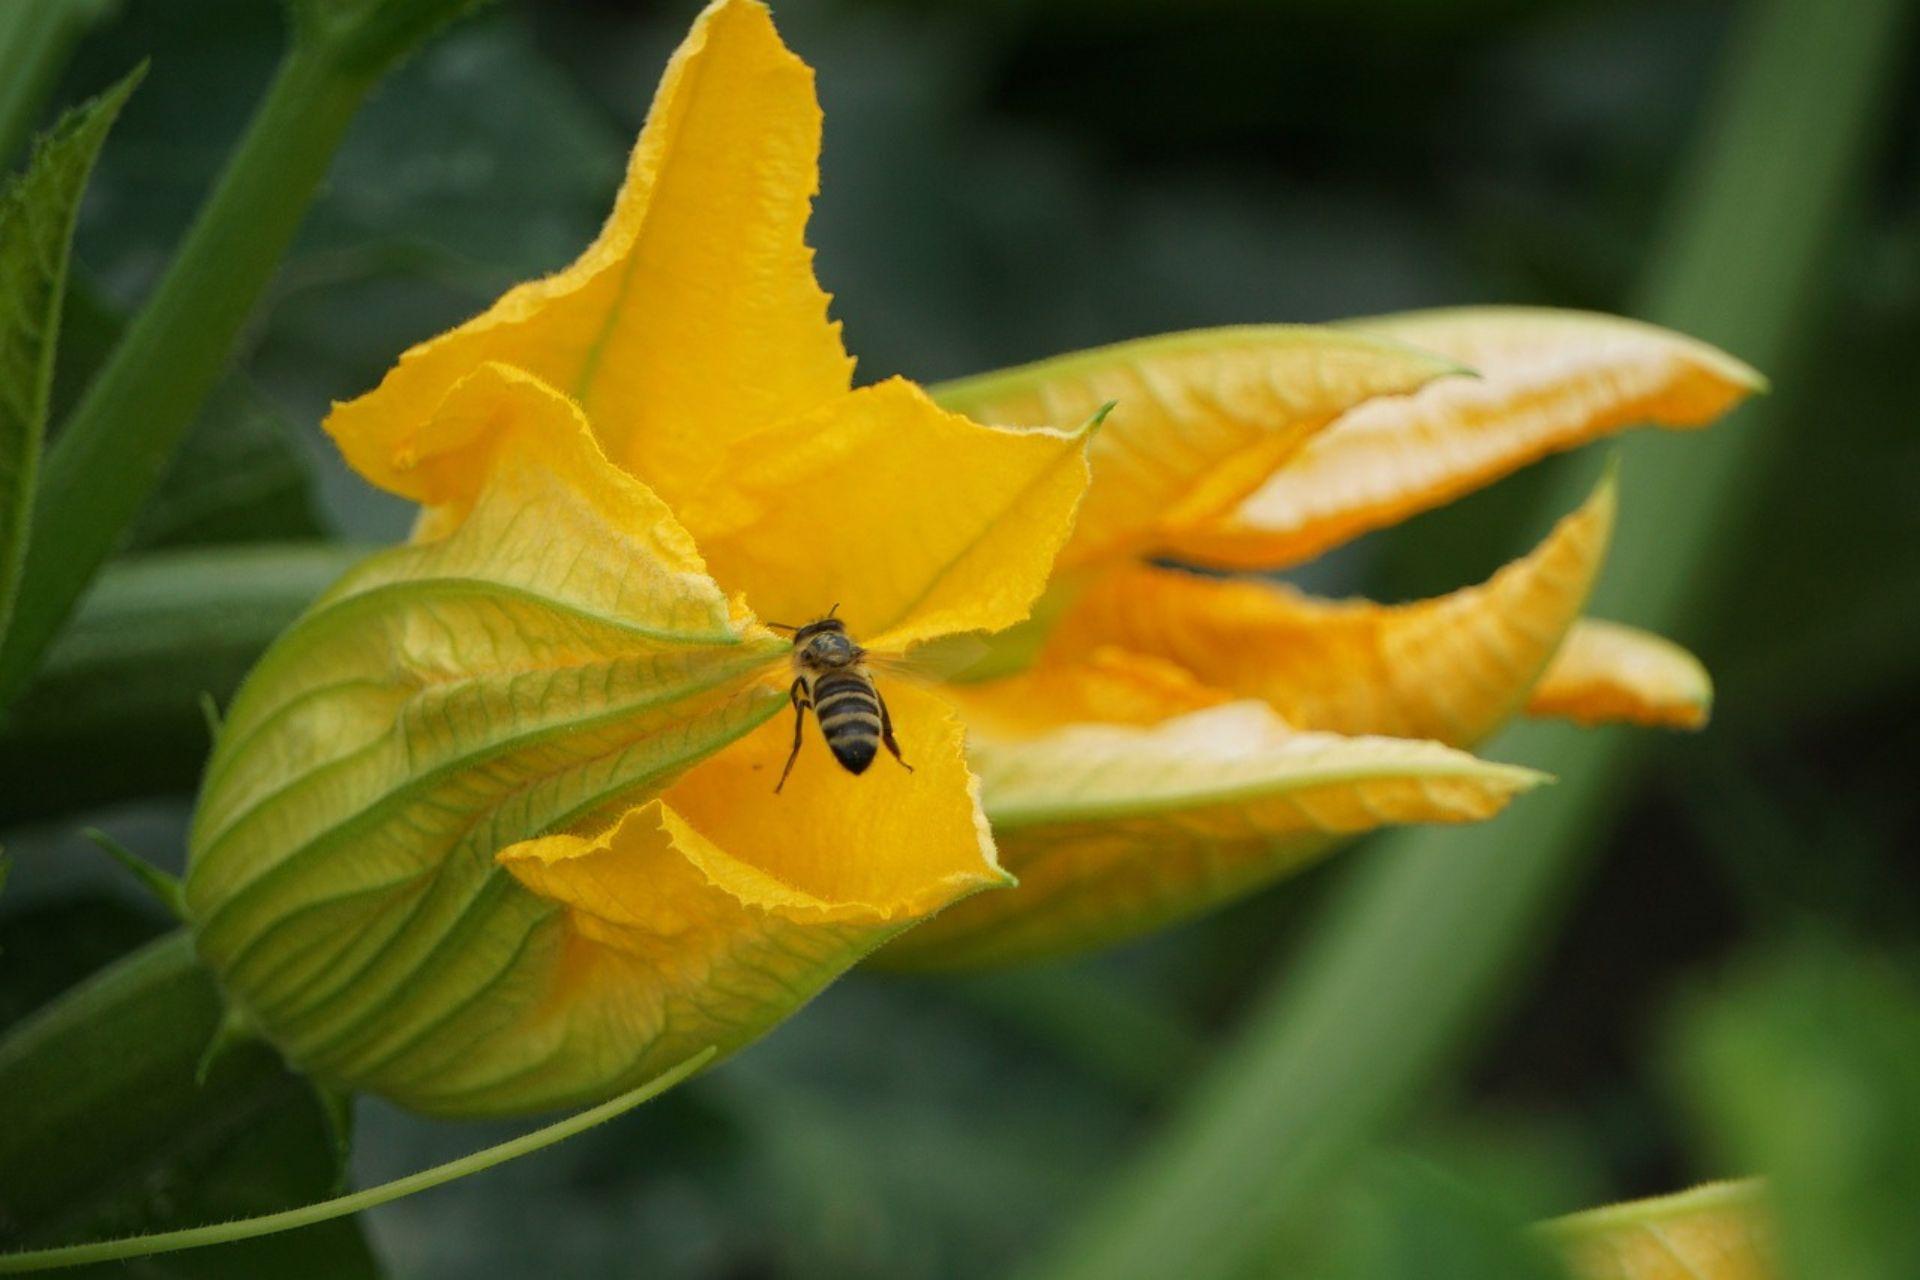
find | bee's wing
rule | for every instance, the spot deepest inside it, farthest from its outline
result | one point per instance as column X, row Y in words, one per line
column 947, row 658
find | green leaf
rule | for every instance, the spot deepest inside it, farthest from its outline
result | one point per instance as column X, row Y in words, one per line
column 116, row 711
column 104, row 1131
column 1808, row 1071
column 37, row 215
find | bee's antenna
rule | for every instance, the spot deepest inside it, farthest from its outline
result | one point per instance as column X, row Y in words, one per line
column 834, row 610
column 782, row 626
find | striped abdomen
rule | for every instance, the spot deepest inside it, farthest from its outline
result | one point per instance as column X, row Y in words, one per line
column 848, row 708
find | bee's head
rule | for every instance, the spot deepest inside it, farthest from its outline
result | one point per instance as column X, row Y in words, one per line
column 825, row 644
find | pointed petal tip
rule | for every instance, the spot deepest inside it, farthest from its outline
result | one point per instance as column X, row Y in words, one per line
column 1602, row 503
column 1731, row 369
column 1453, row 668
column 1607, row 673
column 1607, row 489
column 1496, row 775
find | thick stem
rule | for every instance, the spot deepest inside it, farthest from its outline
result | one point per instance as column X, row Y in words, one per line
column 112, row 451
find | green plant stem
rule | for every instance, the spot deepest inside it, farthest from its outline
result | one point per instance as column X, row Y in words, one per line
column 112, row 451
column 35, row 38
column 1433, row 927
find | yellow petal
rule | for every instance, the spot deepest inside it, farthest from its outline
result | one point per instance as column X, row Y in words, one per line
column 1606, row 672
column 1114, row 830
column 694, row 318
column 1199, row 419
column 1714, row 1232
column 665, row 940
column 917, row 522
column 900, row 842
column 1105, row 686
column 558, row 654
column 707, row 918
column 1452, row 669
column 1549, row 380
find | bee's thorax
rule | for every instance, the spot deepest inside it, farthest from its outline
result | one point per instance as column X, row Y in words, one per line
column 824, row 646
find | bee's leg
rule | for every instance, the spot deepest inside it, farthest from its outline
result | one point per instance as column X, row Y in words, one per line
column 886, row 730
column 798, row 695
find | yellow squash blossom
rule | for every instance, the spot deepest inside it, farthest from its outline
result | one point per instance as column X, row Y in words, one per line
column 1180, row 739
column 493, row 827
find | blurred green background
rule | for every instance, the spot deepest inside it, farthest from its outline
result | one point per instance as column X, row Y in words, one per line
column 1003, row 181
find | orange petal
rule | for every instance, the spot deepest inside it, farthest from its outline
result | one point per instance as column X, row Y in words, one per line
column 694, row 318
column 1199, row 419
column 1452, row 669
column 1116, row 830
column 1106, row 686
column 1606, row 672
column 1549, row 380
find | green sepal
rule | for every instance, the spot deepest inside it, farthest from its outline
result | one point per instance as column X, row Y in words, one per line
column 164, row 888
column 232, row 1031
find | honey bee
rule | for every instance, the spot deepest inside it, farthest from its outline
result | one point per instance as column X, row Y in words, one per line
column 832, row 680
